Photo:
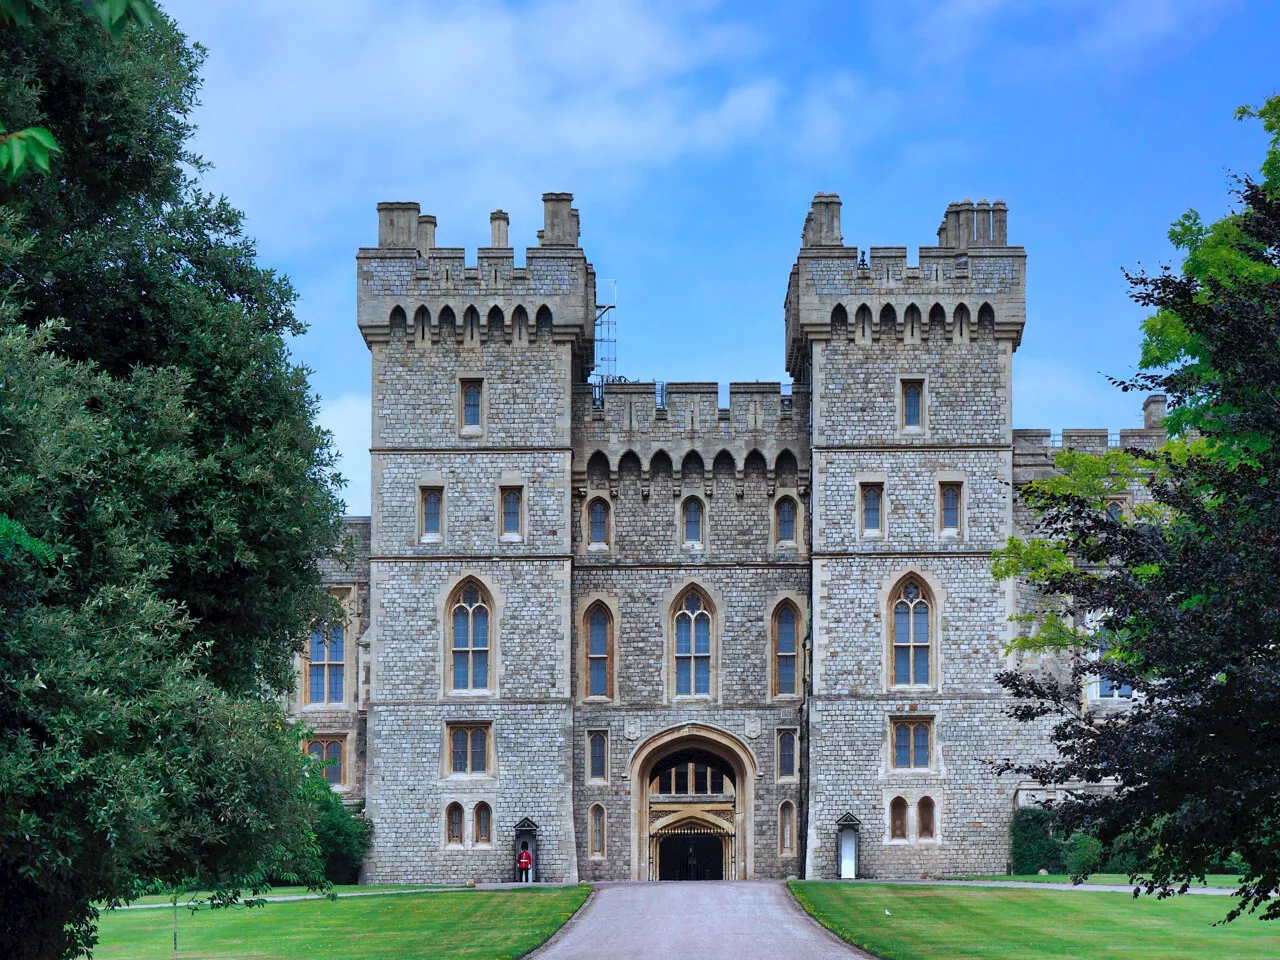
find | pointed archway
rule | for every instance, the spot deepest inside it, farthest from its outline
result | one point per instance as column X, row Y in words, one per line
column 692, row 805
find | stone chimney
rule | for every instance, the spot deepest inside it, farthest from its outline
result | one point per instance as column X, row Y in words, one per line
column 1153, row 411
column 499, row 221
column 560, row 226
column 398, row 224
column 426, row 234
column 1000, row 224
column 822, row 225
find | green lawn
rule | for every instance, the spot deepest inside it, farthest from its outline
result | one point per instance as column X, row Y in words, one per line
column 338, row 888
column 1229, row 880
column 958, row 923
column 461, row 925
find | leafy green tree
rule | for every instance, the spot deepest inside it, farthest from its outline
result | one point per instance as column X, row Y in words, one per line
column 1180, row 599
column 165, row 493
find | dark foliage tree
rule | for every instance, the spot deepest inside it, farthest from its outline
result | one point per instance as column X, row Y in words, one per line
column 165, row 493
column 1183, row 597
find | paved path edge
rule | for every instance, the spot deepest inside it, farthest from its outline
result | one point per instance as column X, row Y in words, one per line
column 563, row 931
column 799, row 907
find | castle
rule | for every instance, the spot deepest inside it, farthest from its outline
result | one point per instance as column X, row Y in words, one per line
column 648, row 636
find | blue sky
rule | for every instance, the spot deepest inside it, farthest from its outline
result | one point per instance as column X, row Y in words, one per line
column 693, row 135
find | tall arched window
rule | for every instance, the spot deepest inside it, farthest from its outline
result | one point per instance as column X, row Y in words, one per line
column 786, row 520
column 787, row 828
column 693, row 645
column 912, row 396
column 597, row 830
column 470, row 641
column 327, row 662
column 692, row 520
column 599, row 652
column 598, row 522
column 598, row 755
column 925, row 818
column 453, row 823
column 483, row 823
column 471, row 404
column 432, row 501
column 911, row 635
column 786, row 755
column 511, row 512
column 784, row 651
column 898, row 819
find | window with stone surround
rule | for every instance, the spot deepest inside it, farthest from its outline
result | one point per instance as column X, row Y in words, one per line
column 1115, row 510
column 470, row 646
column 453, row 824
column 872, row 509
column 483, row 826
column 330, row 751
column 911, row 630
column 785, row 529
column 950, row 500
column 599, row 652
column 325, row 673
column 787, row 829
column 693, row 633
column 598, row 756
column 598, row 523
column 691, row 522
column 786, row 678
column 912, row 742
column 898, row 819
column 432, row 513
column 596, row 829
column 787, row 755
column 912, row 404
column 512, row 513
column 471, row 405
column 469, row 747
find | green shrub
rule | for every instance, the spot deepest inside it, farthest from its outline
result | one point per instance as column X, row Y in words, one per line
column 1128, row 854
column 1083, row 854
column 1033, row 845
column 342, row 834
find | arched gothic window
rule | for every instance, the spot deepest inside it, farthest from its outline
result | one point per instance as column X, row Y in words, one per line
column 511, row 512
column 787, row 828
column 483, row 823
column 470, row 640
column 925, row 818
column 692, row 520
column 597, row 830
column 599, row 652
column 453, row 823
column 598, row 522
column 785, row 680
column 786, row 520
column 898, row 819
column 432, row 500
column 911, row 626
column 329, row 753
column 471, row 404
column 912, row 395
column 693, row 645
column 786, row 755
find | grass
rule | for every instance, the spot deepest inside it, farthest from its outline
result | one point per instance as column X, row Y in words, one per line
column 1229, row 880
column 459, row 925
column 339, row 889
column 986, row 923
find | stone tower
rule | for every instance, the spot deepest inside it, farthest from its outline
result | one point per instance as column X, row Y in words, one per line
column 469, row 716
column 911, row 437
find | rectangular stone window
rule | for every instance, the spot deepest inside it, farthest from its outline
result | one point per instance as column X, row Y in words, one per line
column 912, row 404
column 873, row 509
column 950, row 500
column 912, row 744
column 326, row 663
column 512, row 501
column 469, row 746
column 432, row 513
column 330, row 751
column 598, row 756
column 470, row 404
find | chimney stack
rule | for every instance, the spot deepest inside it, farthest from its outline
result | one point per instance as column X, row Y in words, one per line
column 560, row 225
column 398, row 224
column 499, row 221
column 1153, row 411
column 822, row 225
column 426, row 234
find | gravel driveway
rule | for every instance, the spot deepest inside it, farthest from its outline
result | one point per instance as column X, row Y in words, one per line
column 703, row 920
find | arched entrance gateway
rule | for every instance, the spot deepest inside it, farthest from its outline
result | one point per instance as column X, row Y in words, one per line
column 692, row 797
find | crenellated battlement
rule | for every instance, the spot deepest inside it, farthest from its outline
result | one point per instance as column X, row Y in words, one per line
column 1030, row 445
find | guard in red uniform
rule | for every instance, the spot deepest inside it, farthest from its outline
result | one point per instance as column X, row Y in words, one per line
column 525, row 863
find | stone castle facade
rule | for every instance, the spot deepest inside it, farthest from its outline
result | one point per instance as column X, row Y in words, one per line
column 655, row 637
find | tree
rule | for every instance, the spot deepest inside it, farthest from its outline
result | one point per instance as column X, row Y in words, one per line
column 1181, row 600
column 165, row 493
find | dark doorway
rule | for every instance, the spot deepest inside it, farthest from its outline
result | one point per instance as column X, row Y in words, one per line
column 697, row 856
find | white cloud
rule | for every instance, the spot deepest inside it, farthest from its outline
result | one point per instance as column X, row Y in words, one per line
column 350, row 418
